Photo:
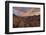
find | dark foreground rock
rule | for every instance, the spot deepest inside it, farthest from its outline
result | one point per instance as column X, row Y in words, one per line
column 28, row 21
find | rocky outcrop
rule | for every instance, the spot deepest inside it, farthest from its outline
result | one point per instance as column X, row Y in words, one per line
column 28, row 21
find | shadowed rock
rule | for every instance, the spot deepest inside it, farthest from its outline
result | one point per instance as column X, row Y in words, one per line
column 31, row 21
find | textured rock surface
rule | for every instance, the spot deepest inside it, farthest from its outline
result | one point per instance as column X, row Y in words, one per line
column 28, row 21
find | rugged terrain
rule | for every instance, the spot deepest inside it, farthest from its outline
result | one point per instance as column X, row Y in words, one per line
column 28, row 21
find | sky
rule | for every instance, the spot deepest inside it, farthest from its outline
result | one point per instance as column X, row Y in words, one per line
column 26, row 11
